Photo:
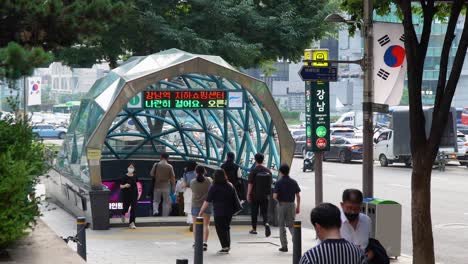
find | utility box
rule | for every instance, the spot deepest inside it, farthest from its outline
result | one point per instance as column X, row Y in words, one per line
column 386, row 223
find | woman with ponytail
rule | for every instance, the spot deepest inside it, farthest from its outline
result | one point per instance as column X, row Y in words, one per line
column 200, row 186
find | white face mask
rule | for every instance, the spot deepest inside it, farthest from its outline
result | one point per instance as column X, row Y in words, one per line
column 131, row 170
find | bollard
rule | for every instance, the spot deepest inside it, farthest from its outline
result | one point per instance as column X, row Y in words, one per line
column 198, row 258
column 182, row 261
column 297, row 242
column 81, row 235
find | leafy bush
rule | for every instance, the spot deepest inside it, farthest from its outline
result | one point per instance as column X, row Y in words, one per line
column 290, row 115
column 21, row 162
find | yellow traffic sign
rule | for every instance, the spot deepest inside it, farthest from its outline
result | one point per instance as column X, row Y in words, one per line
column 320, row 55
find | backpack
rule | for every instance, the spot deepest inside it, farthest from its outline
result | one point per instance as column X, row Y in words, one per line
column 263, row 181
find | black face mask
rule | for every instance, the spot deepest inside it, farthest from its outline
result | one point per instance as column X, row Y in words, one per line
column 351, row 217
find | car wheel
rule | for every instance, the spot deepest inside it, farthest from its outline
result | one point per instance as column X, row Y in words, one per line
column 61, row 135
column 303, row 169
column 383, row 160
column 409, row 162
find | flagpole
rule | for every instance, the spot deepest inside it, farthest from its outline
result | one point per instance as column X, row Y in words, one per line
column 368, row 98
column 25, row 101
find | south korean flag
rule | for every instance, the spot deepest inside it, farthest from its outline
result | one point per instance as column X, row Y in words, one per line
column 389, row 63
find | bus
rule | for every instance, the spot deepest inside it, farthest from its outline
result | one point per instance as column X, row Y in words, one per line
column 66, row 108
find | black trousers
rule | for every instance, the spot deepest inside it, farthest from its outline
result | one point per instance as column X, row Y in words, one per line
column 263, row 206
column 223, row 227
column 132, row 203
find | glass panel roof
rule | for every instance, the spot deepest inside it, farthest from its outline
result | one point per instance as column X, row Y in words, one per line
column 201, row 134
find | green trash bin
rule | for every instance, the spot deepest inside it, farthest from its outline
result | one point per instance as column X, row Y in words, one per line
column 386, row 223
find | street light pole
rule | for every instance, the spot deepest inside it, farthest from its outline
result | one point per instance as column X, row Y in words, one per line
column 368, row 98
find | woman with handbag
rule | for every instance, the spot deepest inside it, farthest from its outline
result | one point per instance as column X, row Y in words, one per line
column 225, row 203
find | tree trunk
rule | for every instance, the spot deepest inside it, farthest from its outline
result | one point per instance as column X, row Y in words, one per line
column 423, row 242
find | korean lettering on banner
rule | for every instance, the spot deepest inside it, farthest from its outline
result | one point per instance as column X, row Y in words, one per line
column 320, row 116
column 308, row 104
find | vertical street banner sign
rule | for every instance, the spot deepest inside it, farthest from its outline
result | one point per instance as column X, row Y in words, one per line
column 320, row 106
column 389, row 63
column 34, row 85
column 320, row 116
column 308, row 104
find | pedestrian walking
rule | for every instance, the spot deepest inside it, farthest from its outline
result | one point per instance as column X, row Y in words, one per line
column 164, row 181
column 200, row 187
column 287, row 193
column 225, row 202
column 129, row 194
column 326, row 219
column 233, row 173
column 187, row 177
column 259, row 191
column 355, row 226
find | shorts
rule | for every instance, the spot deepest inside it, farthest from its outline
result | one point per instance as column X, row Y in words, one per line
column 196, row 211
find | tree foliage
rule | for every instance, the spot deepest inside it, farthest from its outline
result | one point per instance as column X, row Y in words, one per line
column 21, row 162
column 424, row 146
column 244, row 32
column 31, row 30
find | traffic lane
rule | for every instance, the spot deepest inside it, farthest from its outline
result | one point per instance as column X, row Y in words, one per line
column 394, row 183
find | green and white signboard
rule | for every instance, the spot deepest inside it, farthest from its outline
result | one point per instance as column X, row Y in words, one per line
column 317, row 106
column 320, row 118
column 135, row 102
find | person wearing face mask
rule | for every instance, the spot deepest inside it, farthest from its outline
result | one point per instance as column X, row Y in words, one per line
column 332, row 247
column 129, row 194
column 356, row 227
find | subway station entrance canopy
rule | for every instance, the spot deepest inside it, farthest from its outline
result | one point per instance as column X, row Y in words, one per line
column 112, row 123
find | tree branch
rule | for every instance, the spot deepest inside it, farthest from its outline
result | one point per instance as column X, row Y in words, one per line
column 444, row 57
column 440, row 118
column 415, row 71
column 428, row 14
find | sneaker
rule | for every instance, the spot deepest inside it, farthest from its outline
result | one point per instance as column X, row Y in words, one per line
column 253, row 232
column 267, row 230
column 224, row 251
column 155, row 213
column 283, row 249
column 132, row 225
column 205, row 246
column 123, row 218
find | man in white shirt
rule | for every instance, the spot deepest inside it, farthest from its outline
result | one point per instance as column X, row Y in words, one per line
column 355, row 227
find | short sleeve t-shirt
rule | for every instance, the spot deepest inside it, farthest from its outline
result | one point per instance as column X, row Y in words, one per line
column 199, row 191
column 286, row 189
column 132, row 192
column 222, row 197
column 261, row 179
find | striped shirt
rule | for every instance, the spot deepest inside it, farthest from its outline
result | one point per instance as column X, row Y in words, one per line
column 334, row 251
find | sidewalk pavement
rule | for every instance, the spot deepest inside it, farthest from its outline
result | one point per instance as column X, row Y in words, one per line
column 167, row 244
column 43, row 246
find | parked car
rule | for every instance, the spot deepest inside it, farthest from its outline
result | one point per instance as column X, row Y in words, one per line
column 462, row 155
column 344, row 149
column 342, row 132
column 48, row 131
column 300, row 146
column 297, row 132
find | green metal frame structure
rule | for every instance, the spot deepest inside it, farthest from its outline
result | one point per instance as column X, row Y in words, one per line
column 105, row 127
column 206, row 135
